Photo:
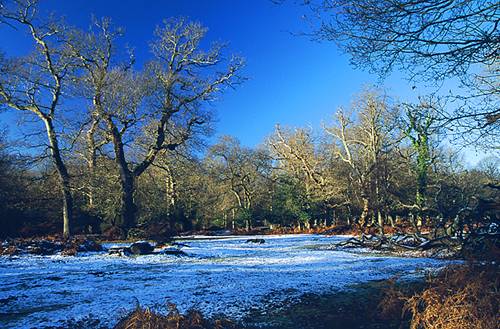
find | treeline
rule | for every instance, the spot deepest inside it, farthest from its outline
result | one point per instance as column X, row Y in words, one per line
column 116, row 147
column 378, row 164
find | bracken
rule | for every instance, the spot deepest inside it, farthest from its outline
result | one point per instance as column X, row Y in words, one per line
column 461, row 296
column 144, row 318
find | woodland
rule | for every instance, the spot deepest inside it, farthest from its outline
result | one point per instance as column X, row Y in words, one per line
column 117, row 152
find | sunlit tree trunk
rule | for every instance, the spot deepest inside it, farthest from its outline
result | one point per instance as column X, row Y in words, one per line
column 380, row 222
column 365, row 210
column 91, row 161
column 64, row 178
column 170, row 190
column 40, row 87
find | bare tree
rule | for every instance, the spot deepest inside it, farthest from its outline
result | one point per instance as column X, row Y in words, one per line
column 297, row 154
column 430, row 41
column 160, row 109
column 362, row 143
column 241, row 170
column 35, row 84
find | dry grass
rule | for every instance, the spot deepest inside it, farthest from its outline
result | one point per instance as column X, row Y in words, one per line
column 144, row 318
column 464, row 296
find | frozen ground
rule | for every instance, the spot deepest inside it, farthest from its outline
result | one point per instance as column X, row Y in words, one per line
column 220, row 276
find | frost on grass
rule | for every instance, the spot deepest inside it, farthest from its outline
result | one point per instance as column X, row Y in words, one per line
column 219, row 276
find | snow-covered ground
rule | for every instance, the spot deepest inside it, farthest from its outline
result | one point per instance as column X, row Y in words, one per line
column 224, row 275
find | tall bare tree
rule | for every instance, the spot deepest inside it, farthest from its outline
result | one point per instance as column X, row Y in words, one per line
column 297, row 153
column 160, row 109
column 36, row 83
column 361, row 141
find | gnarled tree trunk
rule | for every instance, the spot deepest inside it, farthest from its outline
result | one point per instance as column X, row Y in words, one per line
column 127, row 180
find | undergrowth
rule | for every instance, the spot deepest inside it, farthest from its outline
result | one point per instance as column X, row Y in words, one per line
column 144, row 318
column 464, row 296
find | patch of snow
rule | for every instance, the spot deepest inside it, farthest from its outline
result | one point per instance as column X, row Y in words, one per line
column 219, row 275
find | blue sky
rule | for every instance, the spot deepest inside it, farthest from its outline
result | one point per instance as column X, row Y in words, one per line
column 292, row 80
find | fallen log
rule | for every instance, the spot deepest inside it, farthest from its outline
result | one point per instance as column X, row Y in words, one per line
column 400, row 242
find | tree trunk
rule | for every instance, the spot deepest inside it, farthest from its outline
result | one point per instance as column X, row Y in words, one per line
column 91, row 161
column 238, row 198
column 364, row 213
column 128, row 208
column 64, row 179
column 170, row 191
column 423, row 159
column 380, row 222
column 414, row 223
column 127, row 181
column 391, row 220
